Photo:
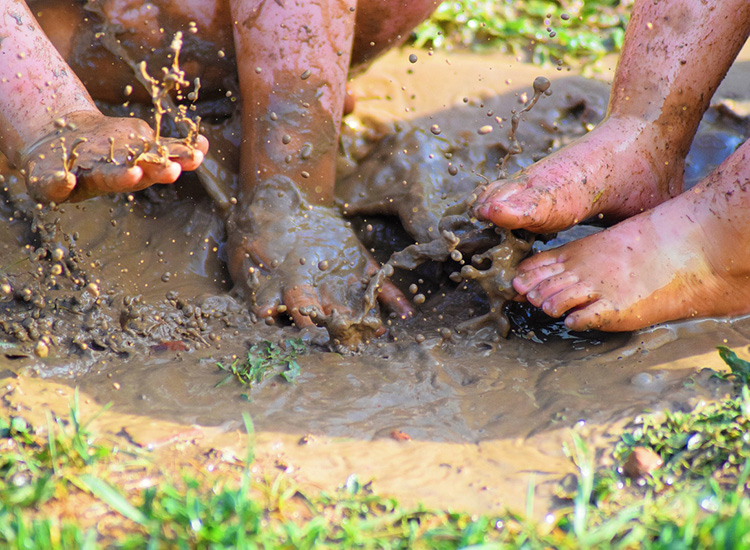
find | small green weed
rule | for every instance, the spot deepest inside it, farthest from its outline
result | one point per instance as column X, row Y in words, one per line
column 740, row 369
column 264, row 359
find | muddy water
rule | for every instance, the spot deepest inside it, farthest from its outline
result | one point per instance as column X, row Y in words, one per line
column 484, row 415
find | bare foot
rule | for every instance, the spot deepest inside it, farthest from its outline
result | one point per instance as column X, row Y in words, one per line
column 289, row 255
column 89, row 154
column 619, row 169
column 685, row 258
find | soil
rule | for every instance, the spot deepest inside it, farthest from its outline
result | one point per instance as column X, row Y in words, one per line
column 127, row 298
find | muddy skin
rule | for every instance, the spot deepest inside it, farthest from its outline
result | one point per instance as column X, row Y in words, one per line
column 331, row 266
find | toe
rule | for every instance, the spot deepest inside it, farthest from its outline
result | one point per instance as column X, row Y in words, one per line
column 552, row 285
column 576, row 295
column 519, row 206
column 593, row 316
column 529, row 278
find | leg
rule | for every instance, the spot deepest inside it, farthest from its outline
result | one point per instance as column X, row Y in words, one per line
column 45, row 110
column 295, row 61
column 674, row 57
column 683, row 259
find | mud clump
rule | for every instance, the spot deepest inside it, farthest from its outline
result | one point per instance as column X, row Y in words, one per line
column 446, row 230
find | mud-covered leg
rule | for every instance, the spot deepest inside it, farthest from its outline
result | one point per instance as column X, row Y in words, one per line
column 287, row 245
column 674, row 57
column 50, row 127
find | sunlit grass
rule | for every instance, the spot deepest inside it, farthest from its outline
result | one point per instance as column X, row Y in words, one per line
column 63, row 488
column 540, row 31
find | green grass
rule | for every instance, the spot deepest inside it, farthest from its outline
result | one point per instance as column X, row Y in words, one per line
column 265, row 359
column 580, row 31
column 697, row 499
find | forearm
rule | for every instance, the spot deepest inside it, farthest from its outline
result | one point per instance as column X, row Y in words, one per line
column 293, row 64
column 36, row 85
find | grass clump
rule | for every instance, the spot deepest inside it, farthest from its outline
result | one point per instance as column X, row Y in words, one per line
column 542, row 31
column 264, row 359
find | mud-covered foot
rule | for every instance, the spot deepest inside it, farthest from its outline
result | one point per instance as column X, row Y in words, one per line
column 290, row 257
column 685, row 258
column 617, row 170
column 88, row 154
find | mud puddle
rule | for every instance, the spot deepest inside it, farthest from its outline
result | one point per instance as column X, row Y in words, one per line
column 482, row 415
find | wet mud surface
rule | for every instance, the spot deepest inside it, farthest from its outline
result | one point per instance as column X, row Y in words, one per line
column 128, row 299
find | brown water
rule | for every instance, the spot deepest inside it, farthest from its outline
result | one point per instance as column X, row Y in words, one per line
column 485, row 415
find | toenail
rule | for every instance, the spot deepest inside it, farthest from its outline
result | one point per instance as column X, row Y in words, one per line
column 533, row 295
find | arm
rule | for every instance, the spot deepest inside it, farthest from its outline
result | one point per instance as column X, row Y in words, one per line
column 36, row 85
column 293, row 60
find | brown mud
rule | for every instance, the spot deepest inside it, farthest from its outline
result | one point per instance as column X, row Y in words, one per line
column 128, row 299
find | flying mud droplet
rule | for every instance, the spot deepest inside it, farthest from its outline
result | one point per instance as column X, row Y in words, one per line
column 452, row 170
column 413, row 288
column 41, row 349
column 58, row 254
column 286, row 138
column 435, row 129
column 6, row 289
column 419, row 338
column 456, row 255
column 128, row 90
column 305, row 75
column 484, row 130
column 413, row 58
column 323, row 265
column 541, row 84
column 273, row 116
column 306, row 151
column 419, row 299
column 564, row 16
column 305, row 174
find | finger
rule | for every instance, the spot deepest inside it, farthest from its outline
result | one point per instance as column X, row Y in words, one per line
column 157, row 172
column 54, row 187
column 298, row 297
column 188, row 157
column 391, row 297
column 389, row 294
column 105, row 179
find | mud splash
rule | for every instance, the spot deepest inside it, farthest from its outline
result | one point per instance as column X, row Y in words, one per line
column 484, row 414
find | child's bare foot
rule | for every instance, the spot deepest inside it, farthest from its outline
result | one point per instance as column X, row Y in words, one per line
column 288, row 254
column 619, row 169
column 88, row 154
column 674, row 56
column 685, row 258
